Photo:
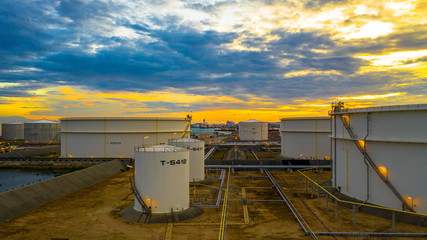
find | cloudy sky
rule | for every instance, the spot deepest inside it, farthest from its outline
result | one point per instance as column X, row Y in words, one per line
column 219, row 59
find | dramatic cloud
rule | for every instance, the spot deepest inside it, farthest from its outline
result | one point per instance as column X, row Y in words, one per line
column 256, row 59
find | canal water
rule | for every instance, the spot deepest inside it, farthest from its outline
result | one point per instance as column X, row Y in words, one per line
column 10, row 179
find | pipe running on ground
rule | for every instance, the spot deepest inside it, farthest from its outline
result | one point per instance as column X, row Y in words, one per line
column 218, row 200
column 304, row 225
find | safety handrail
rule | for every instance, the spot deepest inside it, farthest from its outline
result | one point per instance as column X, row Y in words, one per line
column 374, row 166
column 356, row 203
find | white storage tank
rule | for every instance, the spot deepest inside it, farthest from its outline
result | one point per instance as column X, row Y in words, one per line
column 197, row 156
column 116, row 137
column 395, row 141
column 42, row 131
column 12, row 131
column 306, row 137
column 253, row 130
column 161, row 178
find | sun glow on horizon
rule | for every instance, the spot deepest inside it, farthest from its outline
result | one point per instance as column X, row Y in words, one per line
column 67, row 101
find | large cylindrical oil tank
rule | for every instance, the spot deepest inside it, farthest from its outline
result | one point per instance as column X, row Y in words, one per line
column 394, row 138
column 42, row 131
column 197, row 159
column 306, row 137
column 12, row 131
column 116, row 137
column 161, row 178
column 253, row 130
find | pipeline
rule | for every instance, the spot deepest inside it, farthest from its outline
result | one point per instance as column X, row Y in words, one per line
column 373, row 234
column 211, row 152
column 305, row 204
column 269, row 166
column 253, row 153
column 224, row 215
column 218, row 200
column 291, row 207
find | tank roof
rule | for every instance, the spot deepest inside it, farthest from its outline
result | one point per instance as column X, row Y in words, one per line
column 160, row 148
column 252, row 121
column 391, row 108
column 184, row 140
column 305, row 118
column 123, row 118
column 15, row 123
column 43, row 121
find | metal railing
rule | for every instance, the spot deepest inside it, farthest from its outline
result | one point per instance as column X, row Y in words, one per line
column 350, row 202
column 372, row 163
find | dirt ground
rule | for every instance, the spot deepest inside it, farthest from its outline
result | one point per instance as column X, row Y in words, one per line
column 93, row 213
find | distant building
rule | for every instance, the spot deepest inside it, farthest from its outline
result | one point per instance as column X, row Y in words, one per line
column 230, row 124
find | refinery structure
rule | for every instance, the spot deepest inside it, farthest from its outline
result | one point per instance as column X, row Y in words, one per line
column 353, row 173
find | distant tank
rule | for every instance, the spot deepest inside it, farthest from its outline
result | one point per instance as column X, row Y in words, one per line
column 197, row 159
column 42, row 131
column 306, row 137
column 253, row 130
column 12, row 131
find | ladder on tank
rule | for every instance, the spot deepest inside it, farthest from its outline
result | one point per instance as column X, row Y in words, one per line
column 372, row 163
column 138, row 197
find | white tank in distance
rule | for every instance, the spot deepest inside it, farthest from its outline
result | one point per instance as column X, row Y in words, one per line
column 253, row 130
column 161, row 178
column 197, row 156
column 306, row 137
column 12, row 131
column 42, row 131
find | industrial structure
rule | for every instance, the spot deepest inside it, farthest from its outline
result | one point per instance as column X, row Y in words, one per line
column 380, row 155
column 161, row 179
column 12, row 131
column 253, row 130
column 197, row 153
column 42, row 131
column 116, row 137
column 306, row 137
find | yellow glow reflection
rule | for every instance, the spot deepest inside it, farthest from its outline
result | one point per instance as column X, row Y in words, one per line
column 383, row 171
column 361, row 144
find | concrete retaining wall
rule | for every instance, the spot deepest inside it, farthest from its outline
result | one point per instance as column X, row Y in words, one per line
column 21, row 200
